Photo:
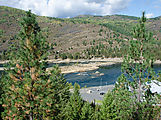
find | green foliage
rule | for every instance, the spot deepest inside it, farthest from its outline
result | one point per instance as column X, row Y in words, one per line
column 159, row 76
column 118, row 104
column 3, row 21
column 29, row 92
column 100, row 34
column 131, row 98
column 84, row 43
column 55, row 44
column 96, row 113
column 76, row 56
column 107, row 107
column 70, row 56
column 104, row 51
column 117, row 23
column 87, row 112
column 3, row 55
column 101, row 30
column 110, row 42
column 1, row 32
column 63, row 56
column 137, row 66
column 118, row 28
column 74, row 106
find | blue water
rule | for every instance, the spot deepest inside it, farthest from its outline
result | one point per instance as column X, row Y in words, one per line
column 106, row 75
column 90, row 78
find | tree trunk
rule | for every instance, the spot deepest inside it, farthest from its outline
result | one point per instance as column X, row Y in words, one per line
column 139, row 96
column 31, row 116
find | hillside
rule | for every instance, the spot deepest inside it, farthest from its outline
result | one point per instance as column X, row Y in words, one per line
column 82, row 36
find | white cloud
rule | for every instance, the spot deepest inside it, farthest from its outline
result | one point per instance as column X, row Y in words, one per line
column 69, row 8
column 10, row 3
column 149, row 15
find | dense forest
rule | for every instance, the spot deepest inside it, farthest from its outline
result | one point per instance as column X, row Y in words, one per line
column 28, row 91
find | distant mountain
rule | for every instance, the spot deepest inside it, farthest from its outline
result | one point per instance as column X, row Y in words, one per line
column 110, row 17
column 78, row 35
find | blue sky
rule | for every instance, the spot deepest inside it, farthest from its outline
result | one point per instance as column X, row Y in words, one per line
column 72, row 8
column 135, row 8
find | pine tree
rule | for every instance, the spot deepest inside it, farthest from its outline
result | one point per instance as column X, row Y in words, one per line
column 137, row 70
column 1, row 108
column 137, row 66
column 118, row 104
column 74, row 106
column 131, row 97
column 96, row 115
column 107, row 107
column 123, row 100
column 87, row 112
column 29, row 91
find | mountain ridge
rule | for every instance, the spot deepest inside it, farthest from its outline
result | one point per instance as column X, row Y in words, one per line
column 77, row 35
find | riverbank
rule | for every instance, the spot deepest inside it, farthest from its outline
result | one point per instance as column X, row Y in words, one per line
column 83, row 65
column 87, row 65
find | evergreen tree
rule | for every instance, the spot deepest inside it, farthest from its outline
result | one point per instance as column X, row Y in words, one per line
column 107, row 106
column 137, row 67
column 118, row 104
column 131, row 97
column 87, row 112
column 28, row 90
column 1, row 108
column 74, row 106
column 96, row 115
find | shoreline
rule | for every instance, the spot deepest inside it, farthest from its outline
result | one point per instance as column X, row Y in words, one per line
column 88, row 64
column 93, row 64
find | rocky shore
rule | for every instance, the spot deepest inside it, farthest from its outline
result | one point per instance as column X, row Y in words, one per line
column 83, row 65
column 87, row 65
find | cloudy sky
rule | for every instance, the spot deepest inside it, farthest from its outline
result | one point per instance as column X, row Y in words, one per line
column 72, row 8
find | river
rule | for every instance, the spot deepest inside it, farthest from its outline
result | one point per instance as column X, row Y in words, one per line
column 106, row 75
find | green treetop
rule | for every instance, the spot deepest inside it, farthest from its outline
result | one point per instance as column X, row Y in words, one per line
column 76, row 108
column 137, row 69
column 74, row 105
column 29, row 91
column 131, row 97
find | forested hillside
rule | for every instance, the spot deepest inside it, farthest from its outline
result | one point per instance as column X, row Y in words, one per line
column 83, row 36
column 28, row 91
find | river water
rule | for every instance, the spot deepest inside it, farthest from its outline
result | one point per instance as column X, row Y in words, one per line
column 106, row 75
